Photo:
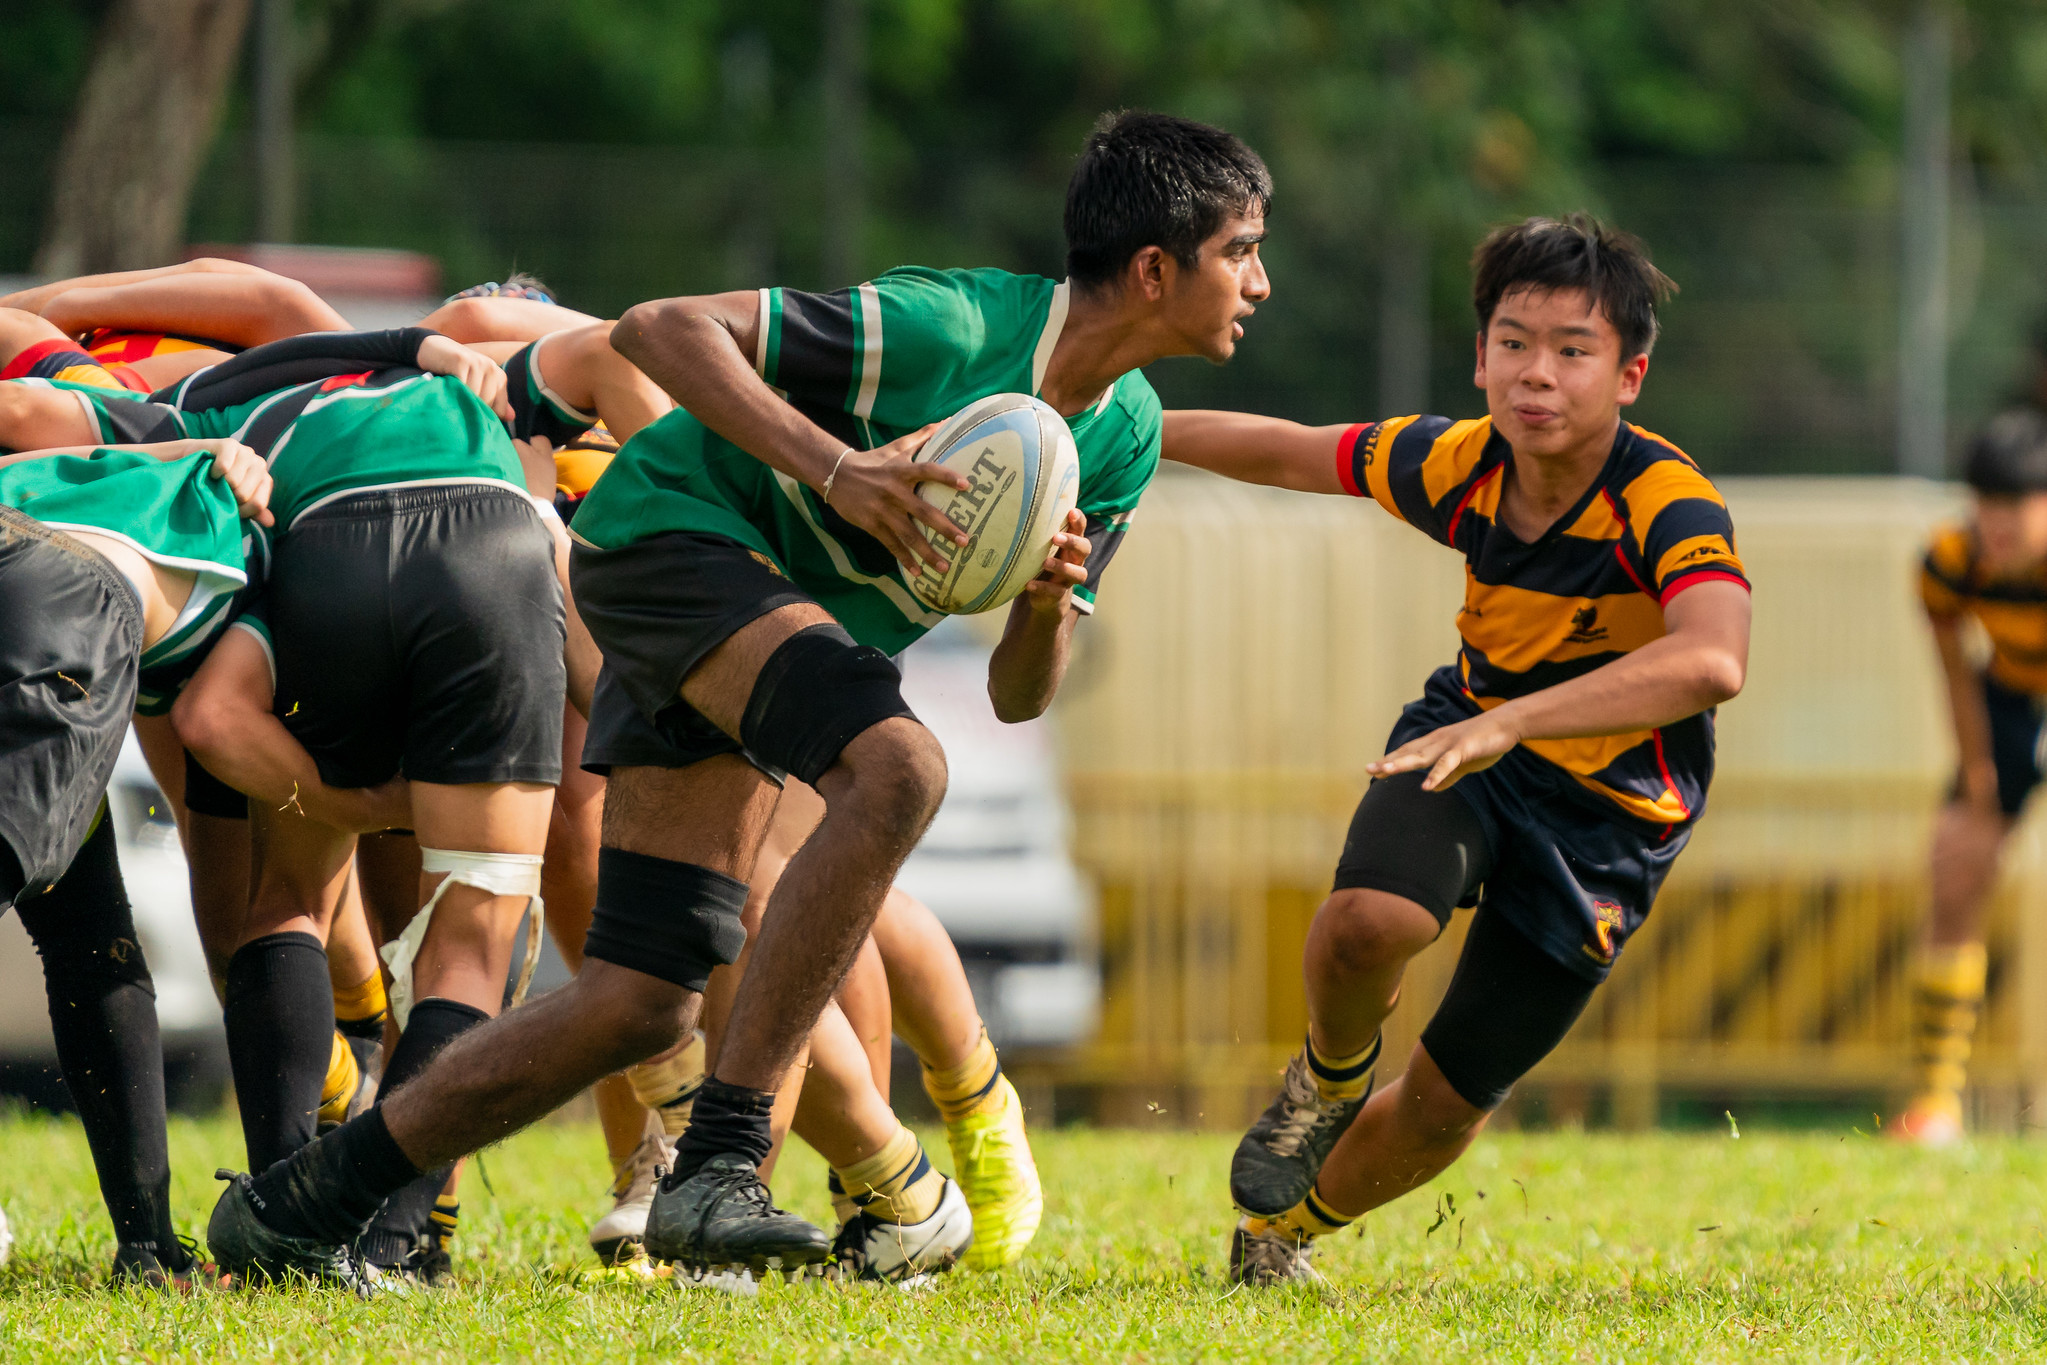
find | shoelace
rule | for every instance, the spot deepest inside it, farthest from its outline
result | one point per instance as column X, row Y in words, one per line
column 1304, row 1111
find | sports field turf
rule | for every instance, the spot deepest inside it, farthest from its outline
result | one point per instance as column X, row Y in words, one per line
column 1551, row 1246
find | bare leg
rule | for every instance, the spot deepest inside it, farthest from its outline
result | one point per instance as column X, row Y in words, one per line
column 1967, row 843
column 351, row 953
column 1406, row 1136
column 216, row 850
column 495, row 1079
column 863, row 1000
column 932, row 1004
column 1358, row 946
column 568, row 880
column 842, row 1115
column 467, row 952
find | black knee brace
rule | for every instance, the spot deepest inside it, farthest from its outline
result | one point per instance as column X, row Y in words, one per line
column 206, row 794
column 671, row 920
column 814, row 694
column 83, row 927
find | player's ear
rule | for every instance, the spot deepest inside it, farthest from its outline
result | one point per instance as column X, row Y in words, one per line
column 1632, row 371
column 1148, row 272
column 1478, row 375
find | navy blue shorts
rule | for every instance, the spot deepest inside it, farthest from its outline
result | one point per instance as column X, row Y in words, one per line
column 1572, row 872
column 2015, row 724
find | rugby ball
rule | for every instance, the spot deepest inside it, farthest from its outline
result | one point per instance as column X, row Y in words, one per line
column 1025, row 478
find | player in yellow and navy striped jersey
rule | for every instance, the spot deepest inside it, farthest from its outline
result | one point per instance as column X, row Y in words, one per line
column 1990, row 569
column 1551, row 775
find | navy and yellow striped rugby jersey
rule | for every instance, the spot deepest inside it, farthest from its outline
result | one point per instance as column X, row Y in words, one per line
column 2012, row 609
column 1590, row 589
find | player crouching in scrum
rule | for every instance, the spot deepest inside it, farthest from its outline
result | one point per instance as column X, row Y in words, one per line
column 1550, row 776
column 116, row 573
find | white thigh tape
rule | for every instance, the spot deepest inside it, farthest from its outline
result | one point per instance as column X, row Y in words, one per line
column 500, row 874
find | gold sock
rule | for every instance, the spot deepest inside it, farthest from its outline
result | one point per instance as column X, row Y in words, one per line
column 362, row 1004
column 342, row 1074
column 1305, row 1221
column 960, row 1090
column 1947, row 998
column 669, row 1086
column 447, row 1208
column 1343, row 1077
column 843, row 1207
column 897, row 1183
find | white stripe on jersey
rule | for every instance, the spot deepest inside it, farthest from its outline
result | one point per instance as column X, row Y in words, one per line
column 891, row 587
column 1048, row 340
column 760, row 337
column 870, row 350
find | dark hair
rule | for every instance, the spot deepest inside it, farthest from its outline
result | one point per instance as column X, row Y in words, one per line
column 1574, row 252
column 2009, row 456
column 1155, row 180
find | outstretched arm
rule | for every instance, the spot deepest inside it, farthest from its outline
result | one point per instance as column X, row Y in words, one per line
column 224, row 717
column 1700, row 662
column 241, row 310
column 698, row 349
column 36, row 299
column 475, row 320
column 1254, row 449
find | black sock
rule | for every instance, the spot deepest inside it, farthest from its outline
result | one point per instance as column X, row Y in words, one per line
column 330, row 1188
column 727, row 1118
column 280, row 1037
column 404, row 1224
column 103, row 1013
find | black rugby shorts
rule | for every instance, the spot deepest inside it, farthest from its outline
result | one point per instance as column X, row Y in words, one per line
column 70, row 639
column 655, row 608
column 420, row 629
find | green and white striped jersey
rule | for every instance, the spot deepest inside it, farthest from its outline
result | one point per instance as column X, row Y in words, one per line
column 174, row 513
column 117, row 417
column 871, row 364
column 386, row 429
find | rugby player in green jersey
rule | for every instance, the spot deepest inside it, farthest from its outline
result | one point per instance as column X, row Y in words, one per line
column 751, row 539
column 911, row 982
column 1551, row 776
column 117, row 565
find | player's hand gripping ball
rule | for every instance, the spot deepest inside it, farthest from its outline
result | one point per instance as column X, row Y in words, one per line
column 1022, row 476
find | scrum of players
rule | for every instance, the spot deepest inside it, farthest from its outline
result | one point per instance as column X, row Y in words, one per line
column 414, row 676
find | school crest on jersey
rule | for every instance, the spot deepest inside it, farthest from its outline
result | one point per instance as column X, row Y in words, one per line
column 1608, row 919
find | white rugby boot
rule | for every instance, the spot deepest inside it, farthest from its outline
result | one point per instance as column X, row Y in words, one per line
column 869, row 1249
column 618, row 1236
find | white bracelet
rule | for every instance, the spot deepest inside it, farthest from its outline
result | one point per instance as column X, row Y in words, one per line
column 826, row 491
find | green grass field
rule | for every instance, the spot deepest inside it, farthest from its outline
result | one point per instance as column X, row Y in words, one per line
column 1541, row 1246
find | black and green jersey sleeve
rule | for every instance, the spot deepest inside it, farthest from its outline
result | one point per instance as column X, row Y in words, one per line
column 911, row 347
column 116, row 417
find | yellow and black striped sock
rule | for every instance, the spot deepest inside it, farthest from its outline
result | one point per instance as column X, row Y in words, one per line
column 447, row 1210
column 959, row 1090
column 1305, row 1221
column 359, row 1010
column 342, row 1078
column 669, row 1085
column 897, row 1184
column 1947, row 999
column 843, row 1207
column 1344, row 1077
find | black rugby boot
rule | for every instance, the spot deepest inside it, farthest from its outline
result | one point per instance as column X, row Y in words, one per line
column 721, row 1219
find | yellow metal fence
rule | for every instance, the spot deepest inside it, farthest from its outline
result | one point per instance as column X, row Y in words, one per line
column 1252, row 650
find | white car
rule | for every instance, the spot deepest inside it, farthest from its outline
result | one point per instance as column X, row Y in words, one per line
column 153, row 866
column 995, row 866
